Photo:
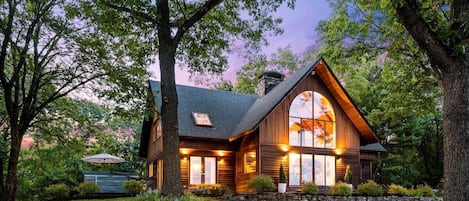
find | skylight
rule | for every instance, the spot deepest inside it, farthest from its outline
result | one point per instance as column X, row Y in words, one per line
column 201, row 119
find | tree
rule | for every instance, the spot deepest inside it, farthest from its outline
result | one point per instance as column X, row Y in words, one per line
column 196, row 33
column 284, row 61
column 444, row 38
column 44, row 56
column 433, row 37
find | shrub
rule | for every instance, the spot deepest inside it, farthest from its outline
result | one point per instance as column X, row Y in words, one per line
column 309, row 188
column 370, row 188
column 282, row 177
column 398, row 190
column 341, row 189
column 87, row 189
column 156, row 196
column 149, row 196
column 261, row 183
column 423, row 190
column 57, row 192
column 133, row 187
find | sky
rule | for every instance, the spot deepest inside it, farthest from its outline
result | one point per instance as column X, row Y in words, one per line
column 299, row 33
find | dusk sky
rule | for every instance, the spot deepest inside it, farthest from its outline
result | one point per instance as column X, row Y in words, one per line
column 299, row 33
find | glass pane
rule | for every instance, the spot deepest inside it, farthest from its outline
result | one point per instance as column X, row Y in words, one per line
column 330, row 170
column 306, row 168
column 295, row 131
column 195, row 175
column 319, row 170
column 319, row 134
column 210, row 170
column 323, row 108
column 294, row 169
column 302, row 105
column 330, row 134
column 250, row 162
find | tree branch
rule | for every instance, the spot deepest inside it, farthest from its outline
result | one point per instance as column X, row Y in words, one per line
column 438, row 53
column 198, row 14
column 135, row 13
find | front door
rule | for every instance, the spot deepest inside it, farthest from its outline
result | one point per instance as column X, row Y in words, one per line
column 202, row 170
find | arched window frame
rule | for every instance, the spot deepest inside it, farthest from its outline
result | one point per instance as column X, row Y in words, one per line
column 312, row 121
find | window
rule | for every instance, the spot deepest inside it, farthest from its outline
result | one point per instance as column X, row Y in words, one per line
column 312, row 121
column 302, row 167
column 324, row 170
column 250, row 162
column 202, row 170
column 201, row 119
column 159, row 130
column 150, row 169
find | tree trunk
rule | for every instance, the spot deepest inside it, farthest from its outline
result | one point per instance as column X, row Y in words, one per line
column 455, row 85
column 11, row 180
column 172, row 184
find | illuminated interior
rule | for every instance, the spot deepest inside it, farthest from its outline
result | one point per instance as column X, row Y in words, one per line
column 202, row 170
column 302, row 167
column 250, row 162
column 312, row 121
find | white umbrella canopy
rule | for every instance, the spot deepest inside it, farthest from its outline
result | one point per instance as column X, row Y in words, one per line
column 103, row 158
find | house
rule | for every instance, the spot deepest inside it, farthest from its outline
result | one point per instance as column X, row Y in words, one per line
column 307, row 122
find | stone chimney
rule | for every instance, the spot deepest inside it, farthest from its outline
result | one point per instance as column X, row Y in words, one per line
column 267, row 81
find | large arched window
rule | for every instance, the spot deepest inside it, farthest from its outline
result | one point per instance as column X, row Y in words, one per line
column 312, row 121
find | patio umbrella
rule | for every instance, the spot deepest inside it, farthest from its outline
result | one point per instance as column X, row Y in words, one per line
column 103, row 158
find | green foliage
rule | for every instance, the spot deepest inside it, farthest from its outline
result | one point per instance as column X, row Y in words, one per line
column 398, row 190
column 68, row 140
column 57, row 192
column 87, row 189
column 389, row 78
column 210, row 190
column 149, row 196
column 310, row 188
column 283, row 61
column 261, row 183
column 282, row 177
column 422, row 190
column 155, row 195
column 370, row 188
column 133, row 187
column 348, row 174
column 341, row 189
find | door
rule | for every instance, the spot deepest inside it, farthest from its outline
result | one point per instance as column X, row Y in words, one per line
column 202, row 170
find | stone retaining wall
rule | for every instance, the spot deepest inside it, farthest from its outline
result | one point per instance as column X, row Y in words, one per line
column 305, row 197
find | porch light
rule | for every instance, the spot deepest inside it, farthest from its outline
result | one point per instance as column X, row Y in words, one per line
column 184, row 151
column 339, row 151
column 284, row 147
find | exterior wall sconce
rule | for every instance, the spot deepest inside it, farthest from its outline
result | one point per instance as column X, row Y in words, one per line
column 284, row 147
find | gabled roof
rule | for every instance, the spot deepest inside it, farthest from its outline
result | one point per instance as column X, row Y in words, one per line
column 235, row 114
column 263, row 106
column 224, row 108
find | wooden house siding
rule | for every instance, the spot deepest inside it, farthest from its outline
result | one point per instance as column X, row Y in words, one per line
column 249, row 143
column 272, row 157
column 155, row 144
column 274, row 129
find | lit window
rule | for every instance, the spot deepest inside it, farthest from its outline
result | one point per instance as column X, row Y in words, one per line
column 302, row 167
column 201, row 119
column 250, row 162
column 312, row 121
column 150, row 169
column 202, row 170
